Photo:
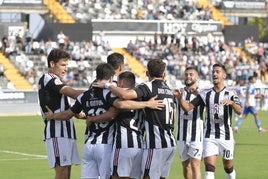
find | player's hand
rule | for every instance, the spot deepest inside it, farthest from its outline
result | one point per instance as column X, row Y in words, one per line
column 155, row 104
column 49, row 113
column 227, row 102
column 178, row 94
column 99, row 84
column 81, row 115
column 194, row 91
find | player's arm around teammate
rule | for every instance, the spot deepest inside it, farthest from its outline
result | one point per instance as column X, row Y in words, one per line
column 127, row 148
column 159, row 153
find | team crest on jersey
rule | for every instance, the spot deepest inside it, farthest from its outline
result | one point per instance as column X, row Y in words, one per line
column 236, row 100
column 57, row 82
column 64, row 158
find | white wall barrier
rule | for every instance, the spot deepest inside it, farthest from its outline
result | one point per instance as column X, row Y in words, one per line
column 19, row 103
column 26, row 102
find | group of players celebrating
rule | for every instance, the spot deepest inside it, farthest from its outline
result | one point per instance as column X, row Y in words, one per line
column 130, row 129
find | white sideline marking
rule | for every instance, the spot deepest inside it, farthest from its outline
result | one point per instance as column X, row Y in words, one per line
column 17, row 159
column 38, row 157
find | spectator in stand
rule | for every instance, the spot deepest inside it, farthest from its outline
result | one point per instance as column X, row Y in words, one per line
column 76, row 53
column 150, row 10
column 229, row 68
column 28, row 42
column 35, row 47
column 263, row 71
column 61, row 39
column 2, row 70
column 5, row 44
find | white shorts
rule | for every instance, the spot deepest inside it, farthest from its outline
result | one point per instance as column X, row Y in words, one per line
column 96, row 161
column 225, row 148
column 156, row 163
column 190, row 150
column 62, row 151
column 127, row 162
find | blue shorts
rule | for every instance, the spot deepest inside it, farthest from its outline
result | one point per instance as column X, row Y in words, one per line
column 250, row 109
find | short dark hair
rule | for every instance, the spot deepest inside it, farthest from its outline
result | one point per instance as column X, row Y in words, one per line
column 115, row 59
column 220, row 65
column 156, row 67
column 251, row 77
column 129, row 77
column 255, row 74
column 192, row 68
column 104, row 71
column 56, row 55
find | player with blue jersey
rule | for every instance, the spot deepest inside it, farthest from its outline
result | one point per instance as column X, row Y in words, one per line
column 250, row 106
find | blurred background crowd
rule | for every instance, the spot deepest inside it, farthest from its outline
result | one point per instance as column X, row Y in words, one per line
column 178, row 49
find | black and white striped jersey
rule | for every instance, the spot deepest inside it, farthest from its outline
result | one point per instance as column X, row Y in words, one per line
column 48, row 91
column 159, row 124
column 190, row 124
column 129, row 129
column 218, row 117
column 93, row 102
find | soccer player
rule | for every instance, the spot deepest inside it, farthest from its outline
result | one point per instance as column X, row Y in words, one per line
column 116, row 60
column 159, row 139
column 250, row 106
column 219, row 103
column 128, row 144
column 190, row 128
column 60, row 136
column 99, row 135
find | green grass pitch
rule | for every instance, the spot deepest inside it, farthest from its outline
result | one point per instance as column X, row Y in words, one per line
column 22, row 151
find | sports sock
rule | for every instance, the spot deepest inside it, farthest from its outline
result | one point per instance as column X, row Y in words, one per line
column 209, row 175
column 231, row 175
column 239, row 122
column 258, row 123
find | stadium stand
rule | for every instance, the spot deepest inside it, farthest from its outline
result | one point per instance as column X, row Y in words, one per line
column 87, row 54
column 84, row 11
column 217, row 15
column 133, row 64
column 13, row 75
column 58, row 11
